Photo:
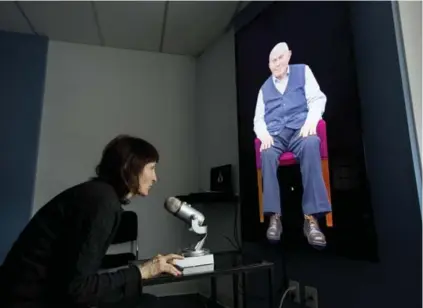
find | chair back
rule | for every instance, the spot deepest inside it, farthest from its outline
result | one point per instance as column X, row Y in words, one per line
column 128, row 228
column 127, row 232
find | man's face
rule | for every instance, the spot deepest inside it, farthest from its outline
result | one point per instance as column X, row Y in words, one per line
column 278, row 62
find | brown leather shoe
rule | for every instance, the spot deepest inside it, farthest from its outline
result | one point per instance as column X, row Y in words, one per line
column 312, row 232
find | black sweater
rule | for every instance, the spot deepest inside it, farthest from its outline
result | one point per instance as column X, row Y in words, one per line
column 55, row 260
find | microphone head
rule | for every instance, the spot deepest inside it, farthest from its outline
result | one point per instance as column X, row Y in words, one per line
column 173, row 204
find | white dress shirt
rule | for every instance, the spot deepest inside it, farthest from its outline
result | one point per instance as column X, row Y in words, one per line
column 316, row 102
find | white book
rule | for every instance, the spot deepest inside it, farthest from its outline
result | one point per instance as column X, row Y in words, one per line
column 198, row 269
column 195, row 261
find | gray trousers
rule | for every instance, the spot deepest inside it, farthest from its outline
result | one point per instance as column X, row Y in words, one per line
column 307, row 150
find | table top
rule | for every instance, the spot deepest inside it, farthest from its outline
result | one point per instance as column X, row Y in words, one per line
column 209, row 197
column 225, row 263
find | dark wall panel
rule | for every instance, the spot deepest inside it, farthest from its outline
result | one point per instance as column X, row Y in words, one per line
column 22, row 71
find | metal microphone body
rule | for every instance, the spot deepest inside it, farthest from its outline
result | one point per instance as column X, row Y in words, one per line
column 187, row 213
column 194, row 256
column 183, row 210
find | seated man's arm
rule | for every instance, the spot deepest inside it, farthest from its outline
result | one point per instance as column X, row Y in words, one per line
column 316, row 99
column 260, row 127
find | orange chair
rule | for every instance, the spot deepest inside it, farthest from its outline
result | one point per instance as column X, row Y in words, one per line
column 288, row 158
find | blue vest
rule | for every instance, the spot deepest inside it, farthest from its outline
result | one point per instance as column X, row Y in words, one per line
column 288, row 109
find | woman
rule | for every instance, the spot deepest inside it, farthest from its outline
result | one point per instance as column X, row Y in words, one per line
column 55, row 260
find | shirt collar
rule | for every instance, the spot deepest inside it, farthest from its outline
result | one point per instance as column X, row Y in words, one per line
column 276, row 80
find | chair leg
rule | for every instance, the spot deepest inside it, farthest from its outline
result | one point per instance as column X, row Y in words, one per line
column 260, row 194
column 325, row 171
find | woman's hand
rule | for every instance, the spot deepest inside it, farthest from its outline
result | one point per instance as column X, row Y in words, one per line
column 158, row 265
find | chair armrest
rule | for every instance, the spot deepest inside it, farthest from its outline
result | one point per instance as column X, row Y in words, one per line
column 257, row 144
column 321, row 132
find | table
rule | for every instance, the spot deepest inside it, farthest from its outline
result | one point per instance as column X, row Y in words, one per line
column 209, row 197
column 225, row 263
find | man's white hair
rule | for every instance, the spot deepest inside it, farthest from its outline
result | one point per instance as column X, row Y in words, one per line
column 279, row 48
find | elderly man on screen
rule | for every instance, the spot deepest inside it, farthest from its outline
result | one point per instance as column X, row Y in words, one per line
column 289, row 107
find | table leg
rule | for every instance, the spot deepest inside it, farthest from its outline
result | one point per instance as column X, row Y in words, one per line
column 235, row 293
column 213, row 296
column 270, row 285
column 244, row 290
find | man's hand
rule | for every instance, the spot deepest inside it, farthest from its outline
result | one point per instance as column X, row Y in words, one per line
column 308, row 129
column 158, row 265
column 266, row 142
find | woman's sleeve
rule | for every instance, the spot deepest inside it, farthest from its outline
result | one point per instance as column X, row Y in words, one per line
column 83, row 282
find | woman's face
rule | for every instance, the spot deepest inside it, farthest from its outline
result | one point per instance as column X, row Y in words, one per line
column 147, row 178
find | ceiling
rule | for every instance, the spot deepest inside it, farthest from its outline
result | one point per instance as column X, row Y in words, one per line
column 174, row 27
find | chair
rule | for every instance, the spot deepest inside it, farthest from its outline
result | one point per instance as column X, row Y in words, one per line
column 127, row 232
column 287, row 159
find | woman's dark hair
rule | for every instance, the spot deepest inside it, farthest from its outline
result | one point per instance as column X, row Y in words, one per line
column 123, row 159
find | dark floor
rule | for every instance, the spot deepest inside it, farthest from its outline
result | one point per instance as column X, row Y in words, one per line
column 256, row 288
column 197, row 301
column 257, row 283
column 186, row 301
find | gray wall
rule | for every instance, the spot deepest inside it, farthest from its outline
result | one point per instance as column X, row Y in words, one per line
column 408, row 25
column 22, row 71
column 94, row 93
column 217, row 132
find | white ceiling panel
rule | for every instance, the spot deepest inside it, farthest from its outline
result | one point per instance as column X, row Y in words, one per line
column 64, row 21
column 193, row 25
column 244, row 5
column 131, row 24
column 189, row 26
column 11, row 18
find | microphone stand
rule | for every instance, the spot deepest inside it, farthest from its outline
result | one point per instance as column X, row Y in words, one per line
column 198, row 249
column 197, row 256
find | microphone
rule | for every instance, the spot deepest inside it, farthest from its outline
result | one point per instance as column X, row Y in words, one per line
column 194, row 256
column 186, row 213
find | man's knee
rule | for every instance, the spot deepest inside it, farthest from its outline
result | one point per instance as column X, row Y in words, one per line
column 311, row 142
column 269, row 155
